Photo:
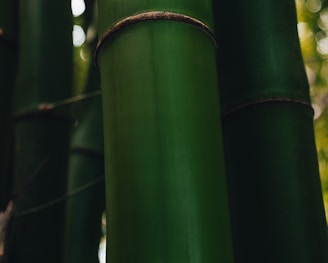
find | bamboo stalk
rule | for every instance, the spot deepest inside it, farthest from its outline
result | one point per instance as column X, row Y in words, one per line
column 165, row 180
column 84, row 210
column 41, row 133
column 86, row 167
column 274, row 187
column 8, row 57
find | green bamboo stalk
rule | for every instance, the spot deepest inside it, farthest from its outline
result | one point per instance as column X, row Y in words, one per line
column 84, row 209
column 86, row 171
column 8, row 56
column 41, row 132
column 274, row 187
column 165, row 180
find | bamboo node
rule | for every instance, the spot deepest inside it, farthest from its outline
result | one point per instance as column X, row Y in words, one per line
column 45, row 106
column 150, row 16
column 245, row 105
column 61, row 199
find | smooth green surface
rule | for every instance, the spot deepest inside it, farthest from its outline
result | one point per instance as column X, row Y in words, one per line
column 275, row 191
column 258, row 52
column 86, row 165
column 85, row 176
column 84, row 211
column 44, row 75
column 45, row 60
column 8, row 56
column 273, row 179
column 165, row 178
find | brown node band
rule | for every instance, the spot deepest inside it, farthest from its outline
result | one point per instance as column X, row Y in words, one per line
column 46, row 108
column 60, row 199
column 151, row 16
column 266, row 101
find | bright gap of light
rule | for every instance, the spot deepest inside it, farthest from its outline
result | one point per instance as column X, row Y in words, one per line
column 102, row 251
column 78, row 36
column 323, row 46
column 78, row 7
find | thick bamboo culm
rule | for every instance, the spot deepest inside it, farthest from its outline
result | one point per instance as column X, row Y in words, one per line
column 41, row 135
column 165, row 179
column 272, row 170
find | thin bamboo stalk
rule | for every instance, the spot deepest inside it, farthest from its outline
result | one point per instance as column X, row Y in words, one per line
column 84, row 210
column 86, row 167
column 41, row 133
column 165, row 180
column 274, row 187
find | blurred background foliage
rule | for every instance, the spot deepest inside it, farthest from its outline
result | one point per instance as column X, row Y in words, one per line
column 313, row 35
column 84, row 38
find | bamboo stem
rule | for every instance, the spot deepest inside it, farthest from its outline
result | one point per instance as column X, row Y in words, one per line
column 273, row 179
column 44, row 74
column 165, row 179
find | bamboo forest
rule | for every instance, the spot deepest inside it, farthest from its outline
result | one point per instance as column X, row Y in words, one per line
column 149, row 131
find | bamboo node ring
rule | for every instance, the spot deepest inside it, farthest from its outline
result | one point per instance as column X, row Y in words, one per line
column 150, row 16
column 266, row 101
